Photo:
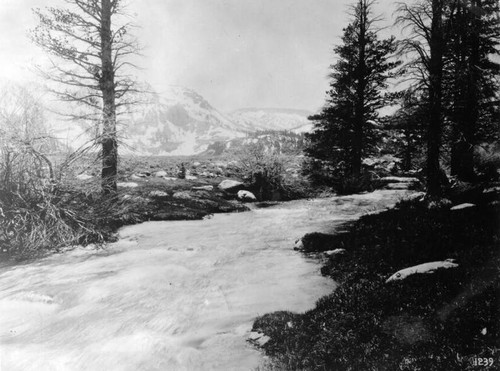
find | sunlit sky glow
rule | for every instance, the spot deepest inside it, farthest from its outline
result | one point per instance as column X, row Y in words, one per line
column 236, row 53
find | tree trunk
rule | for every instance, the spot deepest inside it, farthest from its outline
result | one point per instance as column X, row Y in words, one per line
column 467, row 102
column 107, row 86
column 434, row 129
column 359, row 117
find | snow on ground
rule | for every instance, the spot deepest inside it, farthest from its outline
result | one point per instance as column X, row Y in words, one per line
column 169, row 295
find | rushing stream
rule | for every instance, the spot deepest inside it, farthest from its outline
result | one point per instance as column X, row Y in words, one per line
column 169, row 295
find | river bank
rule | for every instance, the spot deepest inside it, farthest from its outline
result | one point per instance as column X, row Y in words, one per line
column 176, row 295
column 442, row 321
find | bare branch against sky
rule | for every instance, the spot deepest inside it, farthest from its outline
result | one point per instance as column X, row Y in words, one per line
column 242, row 53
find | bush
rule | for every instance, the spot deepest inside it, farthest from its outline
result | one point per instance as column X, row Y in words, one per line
column 266, row 171
column 324, row 173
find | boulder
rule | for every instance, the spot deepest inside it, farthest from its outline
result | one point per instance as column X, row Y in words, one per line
column 425, row 268
column 335, row 252
column 398, row 185
column 462, row 206
column 127, row 184
column 258, row 338
column 398, row 179
column 190, row 177
column 230, row 185
column 84, row 177
column 158, row 194
column 321, row 242
column 182, row 195
column 161, row 174
column 246, row 196
column 203, row 188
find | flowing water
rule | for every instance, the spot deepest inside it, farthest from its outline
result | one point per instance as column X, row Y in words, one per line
column 169, row 295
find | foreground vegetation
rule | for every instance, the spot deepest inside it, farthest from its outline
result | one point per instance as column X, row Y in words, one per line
column 441, row 321
column 40, row 215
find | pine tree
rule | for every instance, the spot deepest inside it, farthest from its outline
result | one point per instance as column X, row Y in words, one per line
column 345, row 129
column 426, row 47
column 472, row 78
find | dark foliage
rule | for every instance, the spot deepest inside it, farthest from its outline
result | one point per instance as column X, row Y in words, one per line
column 426, row 322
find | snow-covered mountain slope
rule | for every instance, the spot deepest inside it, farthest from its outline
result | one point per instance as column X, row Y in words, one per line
column 178, row 121
column 279, row 142
column 252, row 119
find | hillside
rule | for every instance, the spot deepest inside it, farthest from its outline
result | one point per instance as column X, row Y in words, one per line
column 256, row 119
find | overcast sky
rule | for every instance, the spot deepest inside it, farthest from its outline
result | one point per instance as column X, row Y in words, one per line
column 236, row 53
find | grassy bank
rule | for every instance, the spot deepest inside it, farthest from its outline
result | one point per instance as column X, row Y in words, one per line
column 37, row 217
column 441, row 321
column 75, row 212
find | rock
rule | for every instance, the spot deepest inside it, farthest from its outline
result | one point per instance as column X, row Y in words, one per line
column 169, row 178
column 320, row 242
column 398, row 179
column 299, row 245
column 335, row 252
column 127, row 184
column 157, row 193
column 246, row 196
column 229, row 185
column 139, row 175
column 426, row 268
column 417, row 196
column 258, row 338
column 196, row 164
column 263, row 340
column 190, row 177
column 161, row 174
column 84, row 177
column 491, row 190
column 398, row 185
column 462, row 206
column 182, row 195
column 203, row 188
column 254, row 335
column 136, row 177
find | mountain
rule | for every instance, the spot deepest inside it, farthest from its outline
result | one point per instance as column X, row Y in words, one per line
column 255, row 119
column 278, row 142
column 178, row 121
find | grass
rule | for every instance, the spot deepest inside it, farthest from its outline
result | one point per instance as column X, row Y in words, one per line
column 426, row 322
column 40, row 219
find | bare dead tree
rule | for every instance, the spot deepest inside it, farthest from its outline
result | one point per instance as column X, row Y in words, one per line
column 94, row 47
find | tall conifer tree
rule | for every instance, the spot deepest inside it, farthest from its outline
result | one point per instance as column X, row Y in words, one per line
column 345, row 129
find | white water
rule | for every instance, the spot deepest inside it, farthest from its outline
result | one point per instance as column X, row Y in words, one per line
column 169, row 295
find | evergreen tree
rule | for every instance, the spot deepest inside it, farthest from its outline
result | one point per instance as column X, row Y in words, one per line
column 345, row 129
column 472, row 78
column 426, row 46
